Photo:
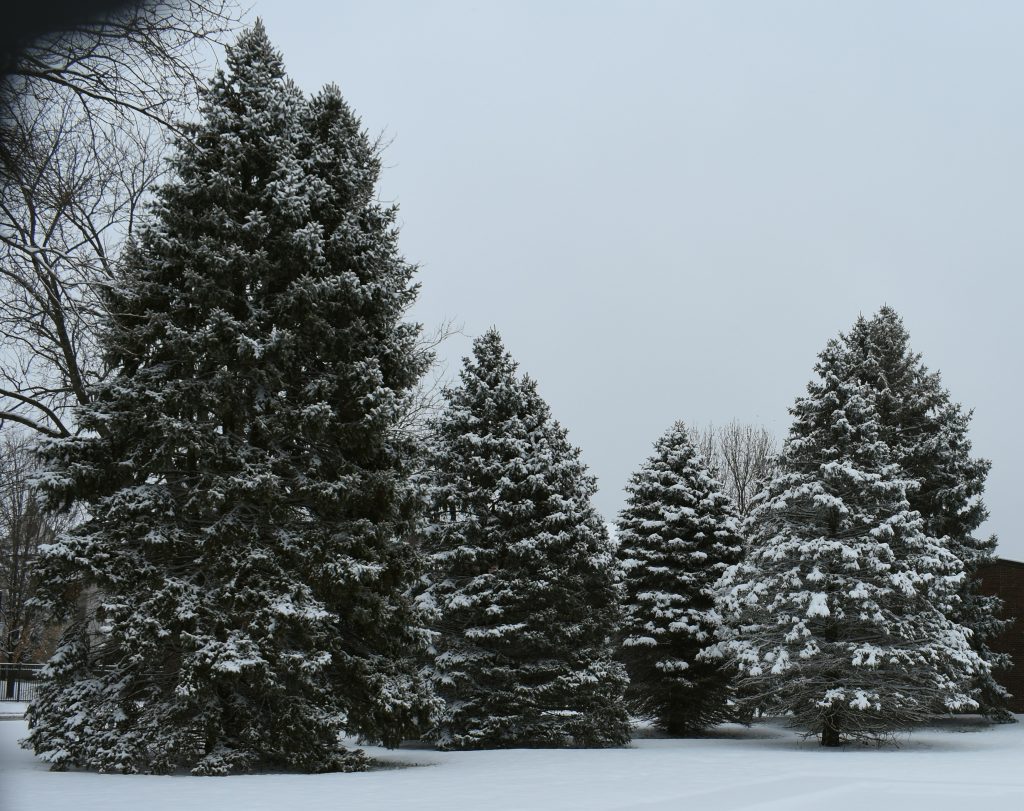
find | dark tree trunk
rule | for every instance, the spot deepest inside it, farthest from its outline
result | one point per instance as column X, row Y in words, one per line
column 829, row 733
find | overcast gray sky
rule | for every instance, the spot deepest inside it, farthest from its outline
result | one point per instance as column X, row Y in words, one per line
column 668, row 208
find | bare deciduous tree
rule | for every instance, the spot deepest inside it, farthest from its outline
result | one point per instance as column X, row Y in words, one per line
column 146, row 58
column 428, row 396
column 24, row 526
column 66, row 205
column 741, row 456
column 705, row 440
column 84, row 115
column 747, row 458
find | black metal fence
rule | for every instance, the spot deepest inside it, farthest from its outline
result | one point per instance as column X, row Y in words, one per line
column 18, row 682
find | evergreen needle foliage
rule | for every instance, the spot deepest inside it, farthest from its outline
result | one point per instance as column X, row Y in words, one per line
column 523, row 579
column 244, row 484
column 677, row 535
column 929, row 435
column 841, row 612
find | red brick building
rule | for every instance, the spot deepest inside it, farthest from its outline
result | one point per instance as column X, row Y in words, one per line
column 1005, row 579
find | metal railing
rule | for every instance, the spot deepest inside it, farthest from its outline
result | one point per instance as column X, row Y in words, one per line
column 18, row 682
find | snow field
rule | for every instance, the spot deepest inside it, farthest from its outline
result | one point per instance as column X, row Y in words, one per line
column 956, row 764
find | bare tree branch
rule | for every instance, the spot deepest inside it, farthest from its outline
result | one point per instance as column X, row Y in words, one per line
column 84, row 119
column 428, row 397
column 741, row 456
column 24, row 526
column 145, row 59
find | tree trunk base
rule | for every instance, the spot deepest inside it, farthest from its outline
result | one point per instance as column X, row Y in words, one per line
column 830, row 734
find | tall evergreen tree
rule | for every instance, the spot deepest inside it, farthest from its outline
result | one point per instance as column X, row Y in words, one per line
column 244, row 486
column 523, row 578
column 677, row 535
column 842, row 604
column 929, row 436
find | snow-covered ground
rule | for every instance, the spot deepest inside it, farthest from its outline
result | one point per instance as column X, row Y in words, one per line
column 12, row 709
column 957, row 764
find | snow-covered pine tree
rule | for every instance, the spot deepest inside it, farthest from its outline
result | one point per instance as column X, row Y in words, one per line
column 677, row 535
column 245, row 491
column 929, row 436
column 523, row 578
column 840, row 607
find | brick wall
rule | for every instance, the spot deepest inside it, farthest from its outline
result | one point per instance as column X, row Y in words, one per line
column 1005, row 579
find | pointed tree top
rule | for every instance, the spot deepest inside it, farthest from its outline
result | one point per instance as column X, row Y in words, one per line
column 489, row 352
column 676, row 434
column 253, row 49
column 491, row 338
column 887, row 313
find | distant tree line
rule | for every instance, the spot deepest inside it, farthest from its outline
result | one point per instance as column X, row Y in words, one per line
column 270, row 538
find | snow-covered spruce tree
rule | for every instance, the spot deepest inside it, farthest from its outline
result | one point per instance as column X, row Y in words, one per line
column 523, row 578
column 929, row 436
column 245, row 490
column 841, row 606
column 677, row 535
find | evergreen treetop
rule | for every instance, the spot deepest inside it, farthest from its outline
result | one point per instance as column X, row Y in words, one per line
column 925, row 428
